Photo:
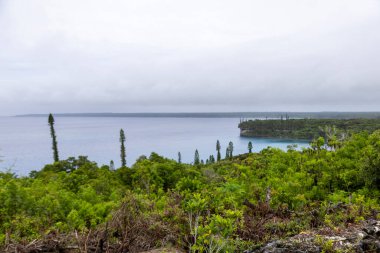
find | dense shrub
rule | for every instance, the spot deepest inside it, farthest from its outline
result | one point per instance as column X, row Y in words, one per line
column 225, row 206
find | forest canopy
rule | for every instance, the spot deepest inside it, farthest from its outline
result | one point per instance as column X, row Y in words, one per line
column 306, row 128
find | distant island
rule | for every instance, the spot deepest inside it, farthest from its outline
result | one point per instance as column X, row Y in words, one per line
column 241, row 115
column 305, row 128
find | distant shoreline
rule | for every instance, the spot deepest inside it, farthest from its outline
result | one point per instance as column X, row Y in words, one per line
column 242, row 115
column 306, row 128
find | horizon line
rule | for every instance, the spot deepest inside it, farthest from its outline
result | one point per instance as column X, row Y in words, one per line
column 241, row 114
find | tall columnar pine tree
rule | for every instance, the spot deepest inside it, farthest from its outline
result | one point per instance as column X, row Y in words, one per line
column 211, row 159
column 54, row 138
column 231, row 149
column 179, row 157
column 196, row 157
column 227, row 153
column 122, row 148
column 218, row 156
column 250, row 147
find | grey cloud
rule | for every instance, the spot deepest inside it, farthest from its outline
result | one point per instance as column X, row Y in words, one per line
column 321, row 66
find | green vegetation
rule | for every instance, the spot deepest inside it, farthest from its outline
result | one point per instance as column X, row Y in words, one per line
column 226, row 206
column 218, row 155
column 53, row 137
column 210, row 160
column 230, row 149
column 250, row 147
column 306, row 128
column 227, row 153
column 196, row 157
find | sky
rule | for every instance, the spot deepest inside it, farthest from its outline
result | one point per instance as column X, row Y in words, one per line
column 189, row 56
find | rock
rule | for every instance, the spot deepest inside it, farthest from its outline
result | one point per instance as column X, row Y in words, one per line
column 336, row 238
column 288, row 247
column 365, row 238
column 370, row 245
column 369, row 230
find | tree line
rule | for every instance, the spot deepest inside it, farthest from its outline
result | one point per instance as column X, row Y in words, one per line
column 122, row 139
column 306, row 128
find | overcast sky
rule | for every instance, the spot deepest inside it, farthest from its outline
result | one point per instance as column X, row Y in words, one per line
column 198, row 55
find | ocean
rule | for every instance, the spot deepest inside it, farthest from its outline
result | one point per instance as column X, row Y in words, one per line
column 25, row 142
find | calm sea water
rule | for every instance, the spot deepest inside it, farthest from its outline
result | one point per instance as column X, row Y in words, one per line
column 25, row 143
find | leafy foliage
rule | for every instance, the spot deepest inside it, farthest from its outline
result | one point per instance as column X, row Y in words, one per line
column 222, row 206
